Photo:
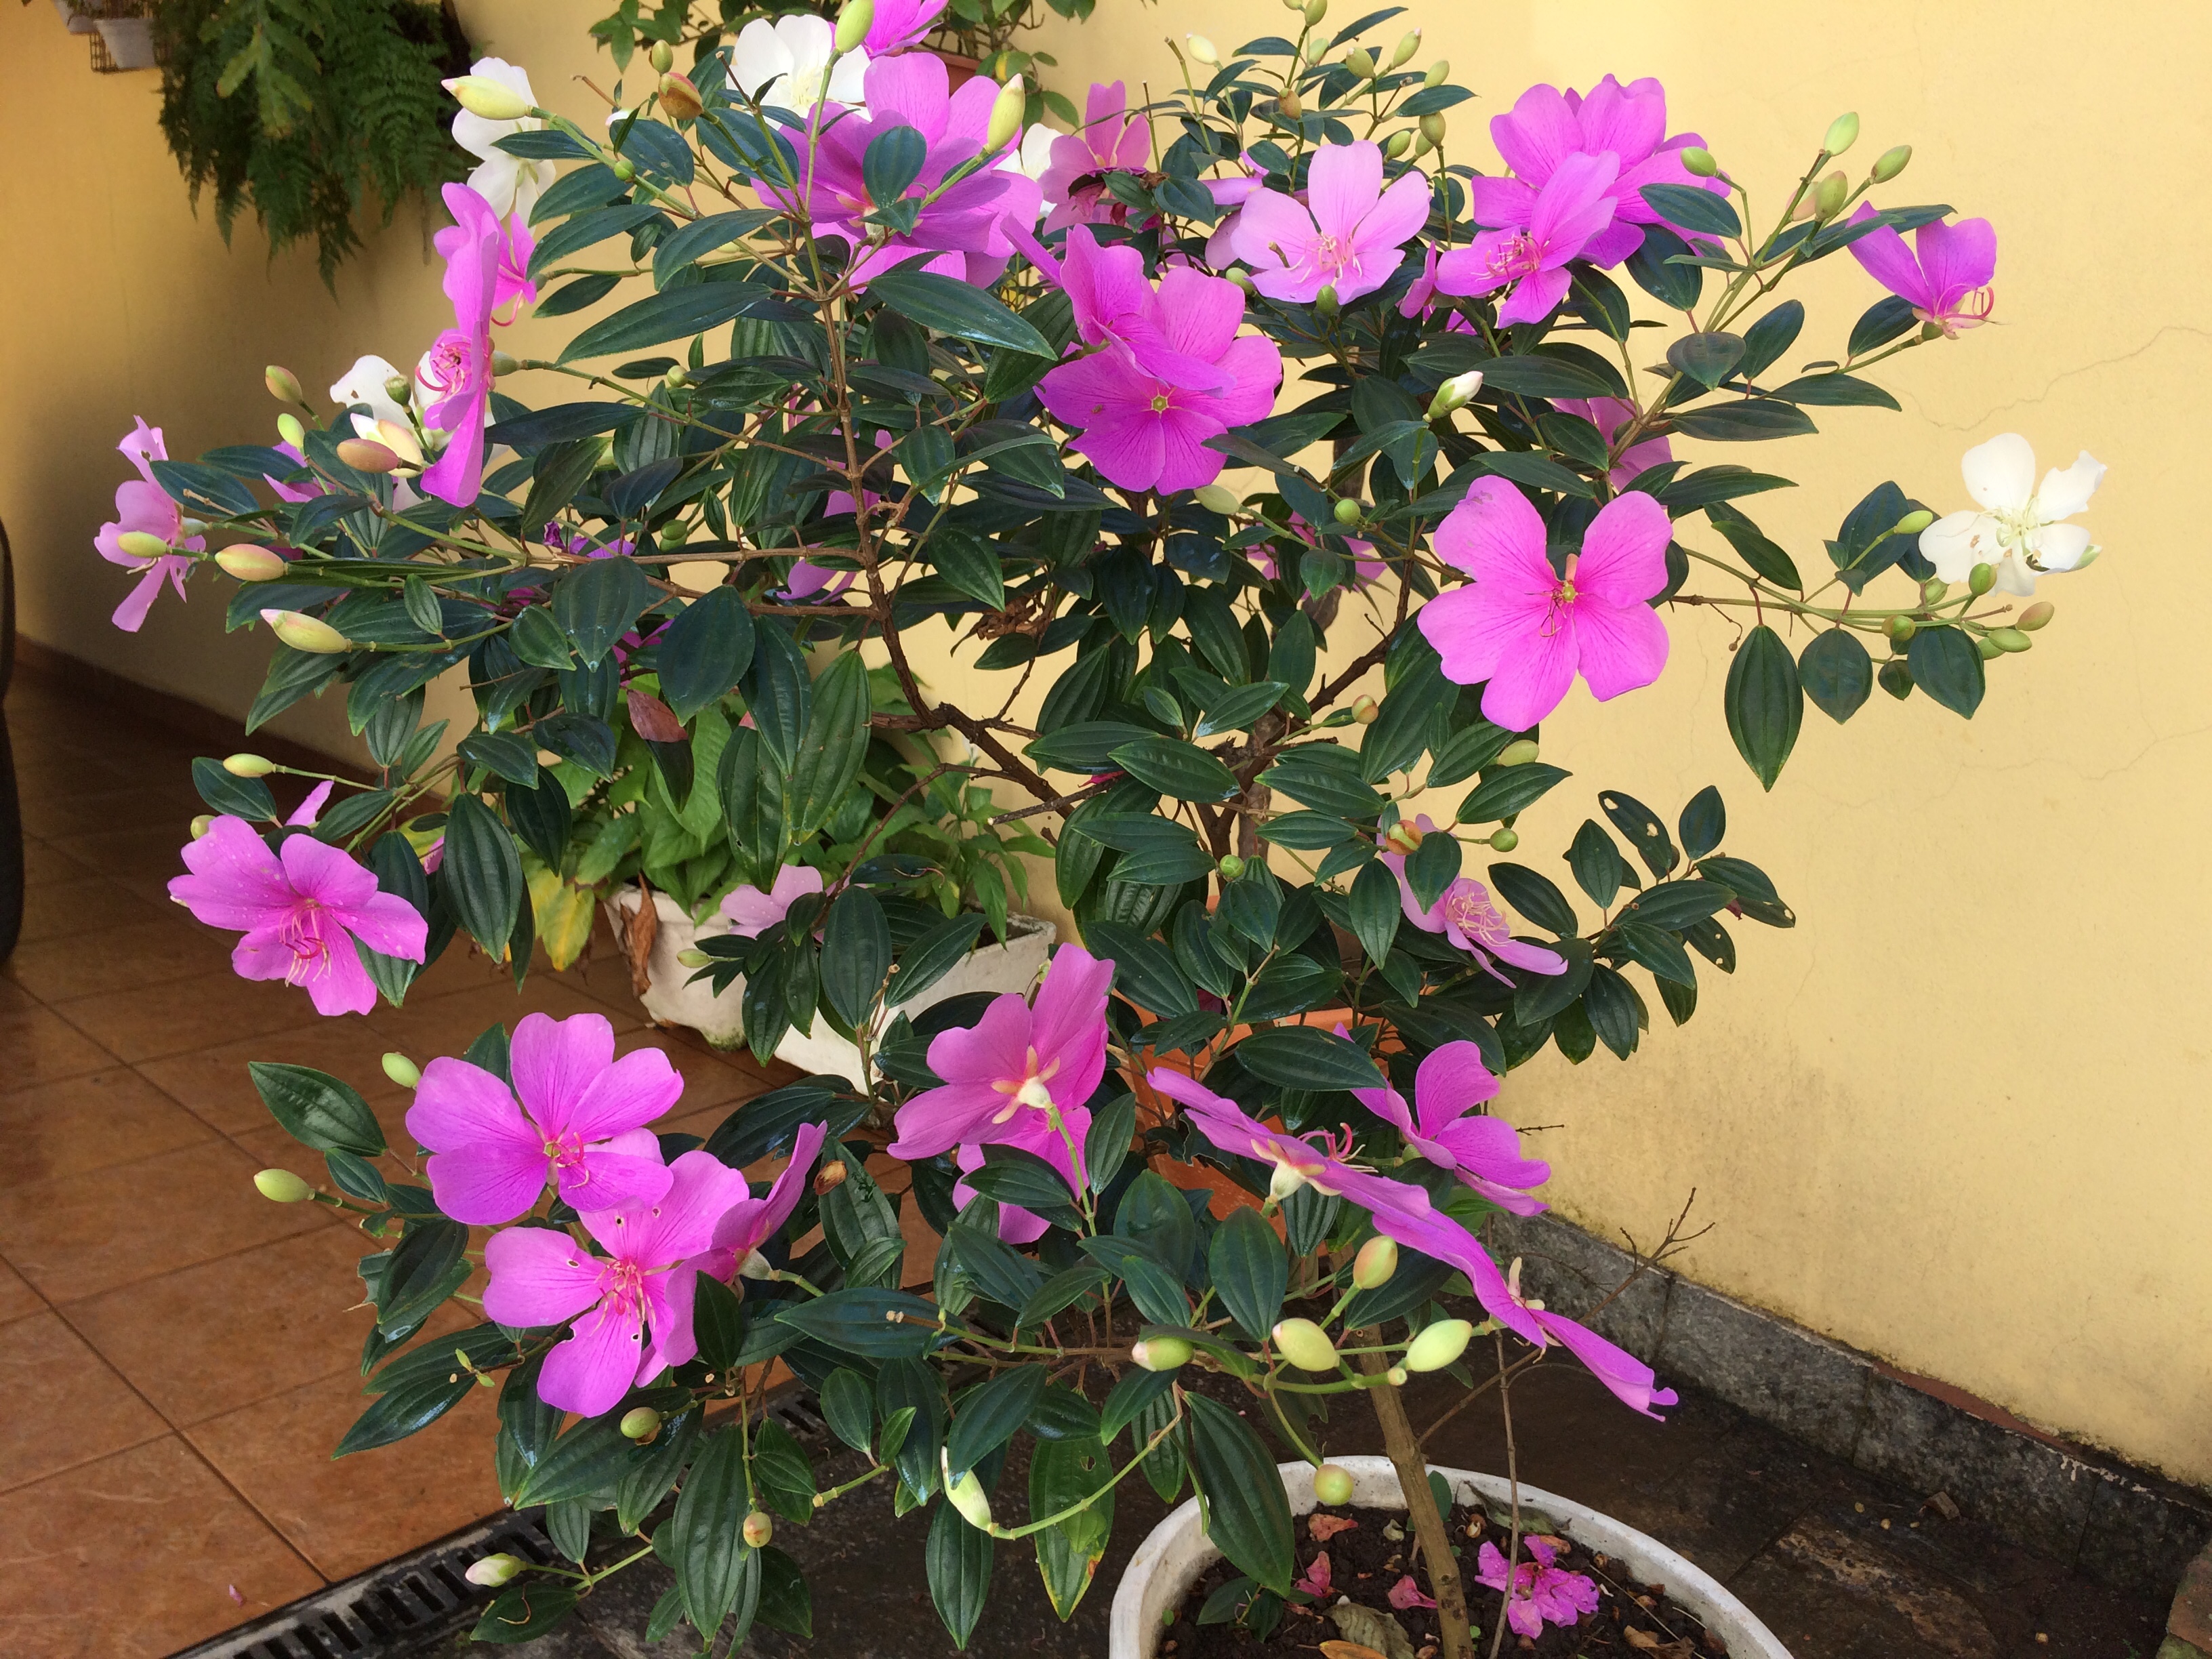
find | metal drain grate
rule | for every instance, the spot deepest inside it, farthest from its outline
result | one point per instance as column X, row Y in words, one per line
column 408, row 1603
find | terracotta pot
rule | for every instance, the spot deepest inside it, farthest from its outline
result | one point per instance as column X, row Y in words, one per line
column 959, row 70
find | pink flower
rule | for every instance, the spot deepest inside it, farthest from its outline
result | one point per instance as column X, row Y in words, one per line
column 306, row 490
column 1315, row 1581
column 301, row 908
column 1469, row 922
column 1141, row 429
column 511, row 288
column 1111, row 140
column 1406, row 1594
column 1948, row 283
column 1020, row 1067
column 145, row 507
column 641, row 1289
column 1366, row 567
column 1345, row 237
column 958, row 233
column 1546, row 126
column 1032, row 1131
column 1529, row 631
column 810, row 581
column 1608, row 416
column 900, row 23
column 580, row 1119
column 1484, row 1152
column 750, row 1222
column 1541, row 1593
column 1575, row 204
column 1114, row 305
column 457, row 369
column 752, row 913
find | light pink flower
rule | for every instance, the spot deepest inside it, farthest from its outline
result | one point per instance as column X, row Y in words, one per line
column 1367, row 566
column 511, row 288
column 752, row 913
column 1608, row 416
column 457, row 369
column 1527, row 630
column 1483, row 1152
column 632, row 1307
column 1944, row 274
column 1347, row 234
column 1111, row 140
column 749, row 1222
column 1573, row 206
column 1541, row 1593
column 1465, row 915
column 1315, row 1581
column 576, row 1114
column 300, row 907
column 144, row 505
column 1406, row 1594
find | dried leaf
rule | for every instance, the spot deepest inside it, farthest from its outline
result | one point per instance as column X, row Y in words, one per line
column 1326, row 1527
column 1347, row 1651
column 1376, row 1632
column 637, row 937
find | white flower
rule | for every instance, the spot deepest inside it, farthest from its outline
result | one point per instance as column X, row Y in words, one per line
column 364, row 384
column 1032, row 155
column 510, row 184
column 790, row 58
column 2020, row 529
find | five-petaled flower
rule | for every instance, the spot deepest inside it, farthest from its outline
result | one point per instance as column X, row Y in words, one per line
column 1468, row 918
column 1074, row 177
column 752, row 913
column 457, row 370
column 786, row 65
column 1541, row 1592
column 1574, row 204
column 575, row 1114
column 2019, row 528
column 750, row 1222
column 1945, row 275
column 1482, row 1152
column 1345, row 237
column 631, row 1308
column 1528, row 630
column 145, row 506
column 507, row 182
column 301, row 907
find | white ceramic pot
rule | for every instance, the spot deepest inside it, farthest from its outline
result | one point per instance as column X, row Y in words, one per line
column 130, row 41
column 78, row 21
column 1170, row 1561
column 671, row 998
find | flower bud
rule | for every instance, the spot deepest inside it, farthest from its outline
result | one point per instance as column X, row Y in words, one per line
column 250, row 563
column 1162, row 1353
column 1914, row 522
column 1365, row 710
column 1935, row 591
column 248, row 766
column 1201, row 50
column 640, row 1423
column 1890, row 162
column 401, row 1069
column 1830, row 194
column 1242, row 278
column 966, row 1495
column 305, row 633
column 622, row 168
column 1315, row 12
column 671, row 535
column 1900, row 629
column 399, row 388
column 2009, row 639
column 1987, row 648
column 283, row 385
column 1215, row 499
column 1006, row 114
column 1230, row 866
column 480, row 94
column 2036, row 616
column 1504, row 840
column 1376, row 1260
column 1981, row 579
column 1455, row 393
column 141, row 544
column 290, row 429
column 1397, row 144
column 1290, row 105
column 759, row 1528
column 1346, row 511
column 1438, row 1344
column 493, row 1570
column 854, row 20
column 282, row 1186
column 830, row 1178
column 1332, row 1485
column 1395, row 1377
column 1402, row 836
column 1361, row 63
column 202, row 824
column 1325, row 301
column 1305, row 1345
column 1519, row 752
column 1698, row 162
column 679, row 97
column 1843, row 133
column 503, row 364
column 1432, row 127
column 662, row 58
column 1438, row 72
column 754, row 1266
column 1408, row 44
column 691, row 957
column 366, row 455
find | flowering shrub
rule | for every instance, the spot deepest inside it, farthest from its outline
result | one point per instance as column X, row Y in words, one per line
column 897, row 391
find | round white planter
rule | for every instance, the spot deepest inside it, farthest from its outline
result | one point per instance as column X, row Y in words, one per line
column 1168, row 1562
column 671, row 999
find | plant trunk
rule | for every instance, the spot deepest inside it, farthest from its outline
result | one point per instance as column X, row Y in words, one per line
column 1429, row 1526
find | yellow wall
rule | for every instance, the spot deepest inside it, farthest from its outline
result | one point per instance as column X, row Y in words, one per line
column 1956, row 1116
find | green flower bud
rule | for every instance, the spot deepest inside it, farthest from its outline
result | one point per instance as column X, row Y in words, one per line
column 290, row 429
column 641, row 1423
column 1365, row 711
column 1397, row 144
column 305, row 633
column 1914, row 522
column 1935, row 591
column 1981, row 579
column 1325, row 301
column 1395, row 1377
column 967, row 1495
column 249, row 563
column 1432, row 127
column 142, row 544
column 401, row 1069
column 679, row 98
column 672, row 535
column 248, row 766
column 759, row 1528
column 1900, row 629
column 1201, row 50
column 1346, row 511
column 662, row 58
column 504, row 363
column 1162, row 1353
column 1505, row 839
column 854, row 20
column 480, row 94
column 202, row 824
column 1408, row 44
column 1332, row 1485
column 1988, row 648
column 1376, row 1260
column 1830, row 194
column 399, row 388
column 1290, row 105
column 1890, row 162
column 1006, row 114
column 625, row 169
column 1439, row 73
column 1455, row 393
column 1242, row 278
column 1230, row 866
column 2009, row 639
column 1843, row 133
column 1519, row 752
column 366, row 455
column 1438, row 1344
column 283, row 385
column 282, row 1186
column 1361, row 63
column 1305, row 1345
column 1215, row 499
column 693, row 957
column 495, row 1569
column 1698, row 162
column 1315, row 12
column 2036, row 616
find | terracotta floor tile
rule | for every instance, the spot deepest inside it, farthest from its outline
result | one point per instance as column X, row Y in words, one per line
column 41, row 1045
column 55, row 909
column 44, row 865
column 17, row 1299
column 347, row 1514
column 447, row 1024
column 212, row 1083
column 63, row 818
column 210, row 1338
column 143, row 857
column 78, row 1236
column 274, row 1149
column 62, row 1539
column 153, row 1021
column 48, row 774
column 50, row 1377
column 119, row 961
column 88, row 1123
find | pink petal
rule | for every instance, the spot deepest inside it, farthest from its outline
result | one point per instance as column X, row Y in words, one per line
column 1452, row 1082
column 1494, row 534
column 1473, row 269
column 764, row 1221
column 938, row 1119
column 312, row 807
column 1629, row 1377
column 912, row 89
column 459, row 1105
column 1199, row 314
column 341, row 985
column 1341, row 186
column 554, row 1062
column 1957, row 258
column 539, row 1276
column 628, row 1094
column 624, row 1169
column 328, row 875
column 487, row 1183
column 1624, row 551
column 1575, row 203
column 1886, row 258
column 1534, row 672
column 592, row 1371
column 1619, row 648
column 1630, row 121
column 1534, row 297
column 235, row 881
column 682, row 1223
column 1502, row 203
column 1539, row 133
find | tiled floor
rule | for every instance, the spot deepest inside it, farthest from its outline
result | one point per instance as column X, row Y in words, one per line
column 178, row 1355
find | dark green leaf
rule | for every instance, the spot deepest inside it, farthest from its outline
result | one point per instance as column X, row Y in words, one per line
column 1596, row 863
column 1744, row 420
column 675, row 313
column 596, row 602
column 1703, row 822
column 984, row 1418
column 1250, row 1270
column 1764, row 703
column 959, row 1559
column 856, row 954
column 705, row 652
column 244, row 798
column 1947, row 666
column 836, row 741
column 524, row 1612
column 1646, row 835
column 957, row 308
column 590, row 1456
column 316, row 1110
column 1175, row 769
column 932, row 956
column 481, row 873
column 1837, row 673
column 1157, row 1293
column 849, row 1408
column 1248, row 1515
column 1534, row 895
column 1693, row 208
column 1765, row 340
column 1509, row 790
column 1835, row 390
column 1375, row 911
column 706, row 1544
column 1307, row 1057
column 861, row 1322
column 1753, row 547
column 1707, row 359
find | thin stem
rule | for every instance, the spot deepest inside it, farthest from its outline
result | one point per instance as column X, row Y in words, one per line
column 1429, row 1526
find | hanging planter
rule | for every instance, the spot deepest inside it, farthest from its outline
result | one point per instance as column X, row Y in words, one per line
column 78, row 21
